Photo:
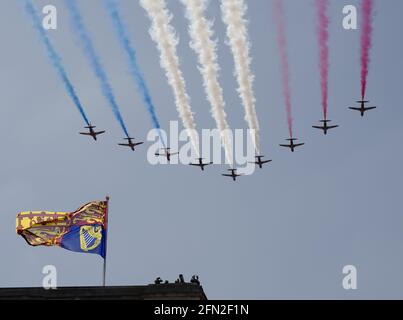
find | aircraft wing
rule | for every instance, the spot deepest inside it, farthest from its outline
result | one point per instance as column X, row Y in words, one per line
column 298, row 144
column 85, row 133
column 369, row 108
column 99, row 132
column 138, row 143
column 227, row 175
column 124, row 144
column 354, row 108
column 285, row 145
column 317, row 127
column 266, row 161
column 195, row 164
column 332, row 127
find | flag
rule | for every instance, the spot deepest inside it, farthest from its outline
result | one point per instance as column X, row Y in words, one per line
column 83, row 230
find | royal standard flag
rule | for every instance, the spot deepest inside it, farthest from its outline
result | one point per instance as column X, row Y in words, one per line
column 83, row 230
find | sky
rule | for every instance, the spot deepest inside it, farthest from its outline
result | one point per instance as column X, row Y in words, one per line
column 285, row 232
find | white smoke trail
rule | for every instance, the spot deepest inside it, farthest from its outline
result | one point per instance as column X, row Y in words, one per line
column 163, row 35
column 201, row 33
column 233, row 12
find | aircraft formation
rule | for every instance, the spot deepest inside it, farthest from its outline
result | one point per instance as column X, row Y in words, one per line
column 201, row 33
column 260, row 162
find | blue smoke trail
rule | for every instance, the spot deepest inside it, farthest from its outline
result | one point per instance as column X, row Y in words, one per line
column 94, row 60
column 55, row 58
column 121, row 31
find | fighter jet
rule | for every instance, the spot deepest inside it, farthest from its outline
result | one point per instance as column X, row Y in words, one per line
column 92, row 132
column 130, row 143
column 325, row 127
column 292, row 145
column 260, row 162
column 233, row 174
column 362, row 109
column 167, row 153
column 201, row 164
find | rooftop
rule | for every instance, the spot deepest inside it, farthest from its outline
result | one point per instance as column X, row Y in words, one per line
column 163, row 291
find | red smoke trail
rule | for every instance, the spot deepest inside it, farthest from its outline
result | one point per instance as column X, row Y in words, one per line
column 366, row 42
column 323, row 38
column 285, row 68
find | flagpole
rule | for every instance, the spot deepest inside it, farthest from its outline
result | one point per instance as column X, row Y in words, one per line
column 106, row 240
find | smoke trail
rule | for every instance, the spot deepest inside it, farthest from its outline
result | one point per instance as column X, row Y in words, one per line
column 323, row 38
column 233, row 12
column 55, row 58
column 282, row 45
column 366, row 43
column 201, row 33
column 121, row 31
column 163, row 35
column 94, row 60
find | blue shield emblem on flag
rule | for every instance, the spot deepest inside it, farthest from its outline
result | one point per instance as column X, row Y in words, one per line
column 86, row 239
